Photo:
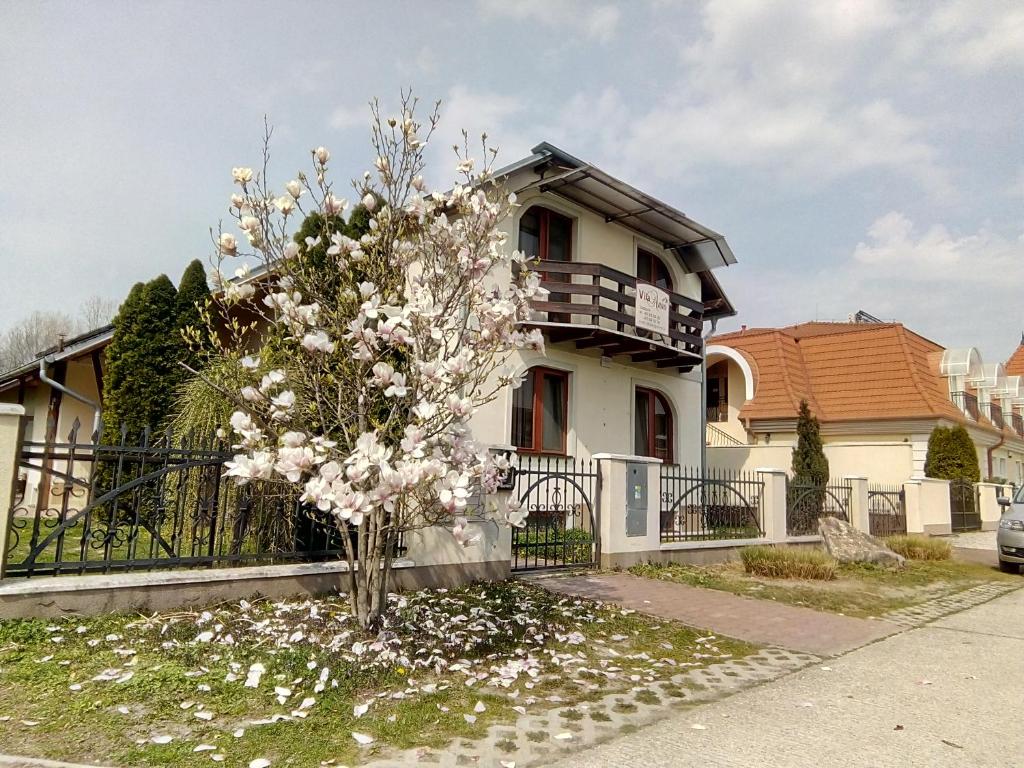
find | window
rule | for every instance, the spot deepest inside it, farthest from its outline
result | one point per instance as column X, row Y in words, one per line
column 540, row 408
column 545, row 234
column 718, row 392
column 653, row 425
column 651, row 269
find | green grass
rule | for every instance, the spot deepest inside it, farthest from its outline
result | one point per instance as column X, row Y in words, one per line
column 788, row 563
column 170, row 664
column 920, row 547
column 858, row 590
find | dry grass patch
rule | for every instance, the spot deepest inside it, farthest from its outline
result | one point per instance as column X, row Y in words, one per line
column 920, row 547
column 788, row 563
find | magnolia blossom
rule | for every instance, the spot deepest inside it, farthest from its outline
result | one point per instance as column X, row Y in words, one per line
column 461, row 533
column 294, row 188
column 285, row 204
column 317, row 342
column 228, row 244
column 322, row 155
column 249, row 362
column 369, row 202
column 295, row 462
column 257, row 466
column 241, row 175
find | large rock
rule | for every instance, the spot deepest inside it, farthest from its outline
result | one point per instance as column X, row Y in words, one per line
column 848, row 545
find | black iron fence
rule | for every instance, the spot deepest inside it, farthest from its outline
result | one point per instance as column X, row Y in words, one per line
column 807, row 502
column 159, row 504
column 710, row 505
column 887, row 510
column 559, row 494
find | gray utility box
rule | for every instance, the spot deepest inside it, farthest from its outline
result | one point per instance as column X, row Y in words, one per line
column 636, row 499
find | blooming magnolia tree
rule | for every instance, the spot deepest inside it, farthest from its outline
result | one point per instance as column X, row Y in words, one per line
column 365, row 365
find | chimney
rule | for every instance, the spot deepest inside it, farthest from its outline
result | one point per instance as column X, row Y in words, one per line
column 60, row 342
column 743, row 329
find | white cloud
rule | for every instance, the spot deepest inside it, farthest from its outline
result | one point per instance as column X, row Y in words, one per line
column 344, row 117
column 894, row 249
column 477, row 112
column 598, row 21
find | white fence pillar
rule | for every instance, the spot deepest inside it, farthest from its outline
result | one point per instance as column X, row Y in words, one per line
column 988, row 504
column 858, row 511
column 625, row 542
column 10, row 436
column 773, row 504
column 912, row 503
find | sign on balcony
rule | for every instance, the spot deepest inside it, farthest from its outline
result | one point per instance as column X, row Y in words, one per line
column 651, row 308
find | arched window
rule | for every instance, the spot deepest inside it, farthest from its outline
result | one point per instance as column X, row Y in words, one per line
column 540, row 407
column 651, row 269
column 653, row 425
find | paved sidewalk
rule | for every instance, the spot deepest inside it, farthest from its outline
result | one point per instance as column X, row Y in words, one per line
column 947, row 695
column 764, row 622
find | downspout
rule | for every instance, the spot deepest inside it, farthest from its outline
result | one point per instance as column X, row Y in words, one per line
column 97, row 418
column 704, row 397
column 1002, row 439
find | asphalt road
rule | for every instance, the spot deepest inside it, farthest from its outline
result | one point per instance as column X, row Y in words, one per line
column 948, row 694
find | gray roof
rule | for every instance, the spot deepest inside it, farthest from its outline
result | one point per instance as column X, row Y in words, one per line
column 82, row 344
column 580, row 182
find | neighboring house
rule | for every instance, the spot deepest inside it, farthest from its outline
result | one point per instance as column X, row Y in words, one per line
column 77, row 366
column 878, row 390
column 606, row 384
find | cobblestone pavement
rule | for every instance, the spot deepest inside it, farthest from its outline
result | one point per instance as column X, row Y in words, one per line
column 538, row 738
column 764, row 622
column 946, row 695
column 974, row 540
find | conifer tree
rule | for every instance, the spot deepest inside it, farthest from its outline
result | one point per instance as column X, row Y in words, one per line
column 810, row 465
column 142, row 360
column 193, row 294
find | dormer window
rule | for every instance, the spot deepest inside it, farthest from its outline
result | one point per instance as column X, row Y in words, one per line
column 651, row 269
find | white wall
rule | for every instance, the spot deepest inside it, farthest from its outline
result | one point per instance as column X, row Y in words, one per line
column 882, row 462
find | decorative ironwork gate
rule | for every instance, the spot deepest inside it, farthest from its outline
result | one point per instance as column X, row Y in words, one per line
column 162, row 503
column 887, row 510
column 561, row 529
column 963, row 506
column 806, row 502
column 715, row 504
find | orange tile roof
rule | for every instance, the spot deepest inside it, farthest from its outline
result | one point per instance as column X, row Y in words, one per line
column 846, row 372
column 1015, row 365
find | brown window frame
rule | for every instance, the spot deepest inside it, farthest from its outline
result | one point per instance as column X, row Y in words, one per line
column 537, row 373
column 642, row 254
column 650, row 449
column 545, row 215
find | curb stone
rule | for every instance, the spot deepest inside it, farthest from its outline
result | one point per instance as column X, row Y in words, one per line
column 918, row 615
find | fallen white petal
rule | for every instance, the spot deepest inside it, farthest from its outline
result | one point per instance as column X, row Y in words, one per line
column 479, row 707
column 699, row 727
column 259, row 762
column 565, row 736
column 161, row 739
column 204, row 748
column 359, row 710
column 362, row 738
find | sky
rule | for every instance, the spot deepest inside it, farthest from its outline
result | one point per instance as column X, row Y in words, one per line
column 857, row 154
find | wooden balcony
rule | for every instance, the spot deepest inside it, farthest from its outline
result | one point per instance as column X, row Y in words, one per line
column 593, row 306
column 1018, row 423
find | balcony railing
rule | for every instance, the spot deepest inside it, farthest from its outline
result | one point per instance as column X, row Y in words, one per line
column 968, row 403
column 1018, row 423
column 594, row 306
column 718, row 412
column 993, row 413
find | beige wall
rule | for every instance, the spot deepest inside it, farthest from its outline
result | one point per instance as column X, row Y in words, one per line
column 600, row 417
column 597, row 241
column 881, row 462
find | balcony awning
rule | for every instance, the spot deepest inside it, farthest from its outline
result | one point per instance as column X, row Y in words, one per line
column 581, row 183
